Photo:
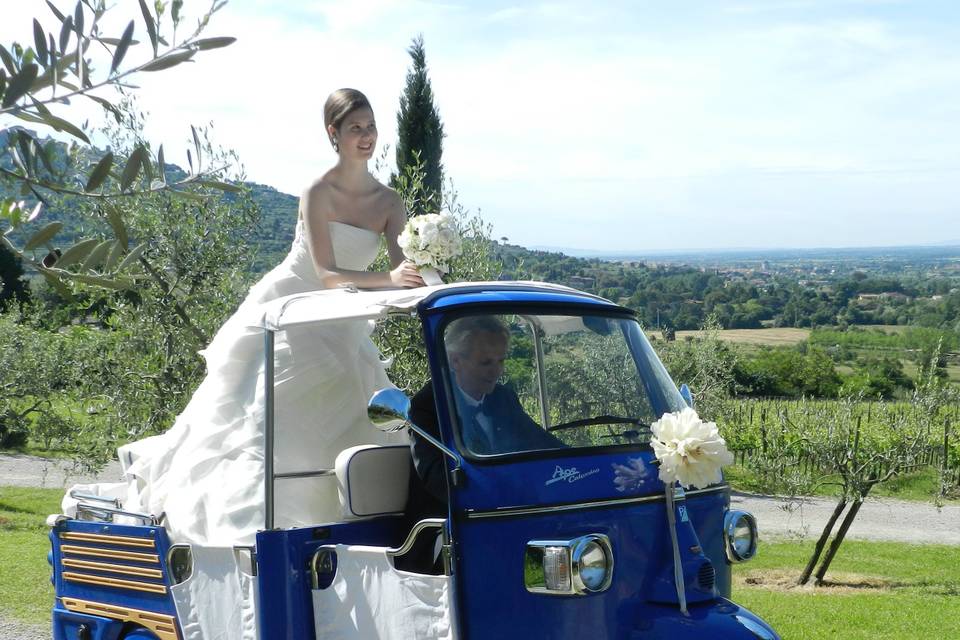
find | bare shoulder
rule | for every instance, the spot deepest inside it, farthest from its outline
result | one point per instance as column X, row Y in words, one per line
column 315, row 201
column 321, row 187
column 389, row 202
column 389, row 197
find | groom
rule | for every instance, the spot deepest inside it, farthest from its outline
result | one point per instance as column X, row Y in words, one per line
column 491, row 418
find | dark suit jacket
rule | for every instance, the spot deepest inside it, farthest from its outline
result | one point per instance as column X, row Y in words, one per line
column 513, row 430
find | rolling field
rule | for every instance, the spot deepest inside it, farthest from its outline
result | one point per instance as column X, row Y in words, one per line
column 789, row 336
column 779, row 337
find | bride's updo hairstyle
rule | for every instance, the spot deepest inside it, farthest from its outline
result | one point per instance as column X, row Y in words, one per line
column 338, row 106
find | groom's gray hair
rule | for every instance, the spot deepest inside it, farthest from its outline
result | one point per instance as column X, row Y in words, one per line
column 460, row 333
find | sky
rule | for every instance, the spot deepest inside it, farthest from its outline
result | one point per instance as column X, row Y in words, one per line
column 607, row 126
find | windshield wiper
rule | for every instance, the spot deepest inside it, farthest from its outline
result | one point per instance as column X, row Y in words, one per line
column 604, row 419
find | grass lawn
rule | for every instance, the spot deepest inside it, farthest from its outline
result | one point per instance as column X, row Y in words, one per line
column 874, row 590
column 25, row 590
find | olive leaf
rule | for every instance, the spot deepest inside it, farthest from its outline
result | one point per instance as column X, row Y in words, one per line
column 98, row 255
column 47, row 155
column 122, row 47
column 205, row 44
column 8, row 61
column 222, row 186
column 40, row 42
column 100, row 172
column 116, row 250
column 168, row 60
column 132, row 168
column 62, row 125
column 108, row 107
column 57, row 284
column 77, row 252
column 56, row 11
column 131, row 257
column 188, row 195
column 151, row 27
column 111, row 41
column 98, row 281
column 65, row 30
column 196, row 145
column 116, row 223
column 78, row 16
column 43, row 236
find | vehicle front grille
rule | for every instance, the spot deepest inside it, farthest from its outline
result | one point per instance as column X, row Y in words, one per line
column 706, row 577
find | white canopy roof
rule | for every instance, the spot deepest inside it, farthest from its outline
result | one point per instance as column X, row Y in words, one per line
column 342, row 304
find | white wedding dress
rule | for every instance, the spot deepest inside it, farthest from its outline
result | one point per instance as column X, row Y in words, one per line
column 207, row 473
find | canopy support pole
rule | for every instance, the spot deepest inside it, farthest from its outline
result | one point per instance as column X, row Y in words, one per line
column 268, row 382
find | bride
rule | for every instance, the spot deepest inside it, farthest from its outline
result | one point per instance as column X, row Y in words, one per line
column 206, row 472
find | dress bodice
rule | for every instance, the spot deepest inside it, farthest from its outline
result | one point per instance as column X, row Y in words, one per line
column 354, row 248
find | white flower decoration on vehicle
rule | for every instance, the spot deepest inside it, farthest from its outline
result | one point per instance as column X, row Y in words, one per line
column 431, row 240
column 691, row 451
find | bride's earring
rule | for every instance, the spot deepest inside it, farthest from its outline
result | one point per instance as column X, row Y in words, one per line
column 336, row 145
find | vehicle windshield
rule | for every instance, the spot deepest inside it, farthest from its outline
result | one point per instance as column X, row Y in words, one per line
column 531, row 382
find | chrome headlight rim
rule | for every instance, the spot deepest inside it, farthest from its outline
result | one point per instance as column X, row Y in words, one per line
column 578, row 550
column 574, row 555
column 731, row 521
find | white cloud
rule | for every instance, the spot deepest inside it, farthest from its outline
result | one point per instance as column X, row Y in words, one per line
column 615, row 112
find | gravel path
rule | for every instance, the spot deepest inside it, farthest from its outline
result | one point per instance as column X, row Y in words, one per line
column 879, row 519
column 12, row 630
column 21, row 470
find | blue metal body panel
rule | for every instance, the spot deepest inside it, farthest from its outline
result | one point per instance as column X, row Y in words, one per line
column 66, row 622
column 558, row 495
column 492, row 294
column 283, row 576
column 489, row 570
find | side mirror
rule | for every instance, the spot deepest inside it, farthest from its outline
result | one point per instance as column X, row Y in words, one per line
column 389, row 410
column 686, row 394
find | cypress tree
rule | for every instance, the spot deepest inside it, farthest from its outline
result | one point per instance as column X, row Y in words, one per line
column 420, row 131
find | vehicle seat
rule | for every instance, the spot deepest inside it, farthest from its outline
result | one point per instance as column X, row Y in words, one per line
column 372, row 480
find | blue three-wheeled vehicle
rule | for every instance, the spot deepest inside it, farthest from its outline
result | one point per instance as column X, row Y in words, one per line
column 542, row 517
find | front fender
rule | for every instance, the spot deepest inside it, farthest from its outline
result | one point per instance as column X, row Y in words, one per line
column 718, row 619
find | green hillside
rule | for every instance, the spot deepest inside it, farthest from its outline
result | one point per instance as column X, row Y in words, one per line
column 278, row 211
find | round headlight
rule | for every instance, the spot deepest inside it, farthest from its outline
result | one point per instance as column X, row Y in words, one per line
column 740, row 534
column 593, row 563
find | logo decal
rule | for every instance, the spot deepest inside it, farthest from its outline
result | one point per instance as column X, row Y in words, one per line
column 569, row 475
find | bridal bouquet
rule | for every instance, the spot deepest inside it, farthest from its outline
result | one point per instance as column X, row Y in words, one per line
column 690, row 451
column 430, row 241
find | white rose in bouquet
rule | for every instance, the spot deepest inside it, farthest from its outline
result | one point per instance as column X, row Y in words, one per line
column 430, row 241
column 690, row 451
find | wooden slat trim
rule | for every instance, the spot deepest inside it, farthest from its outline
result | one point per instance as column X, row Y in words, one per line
column 99, row 538
column 104, row 581
column 124, row 569
column 115, row 554
column 163, row 626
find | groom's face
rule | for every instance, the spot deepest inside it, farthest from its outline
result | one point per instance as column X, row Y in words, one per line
column 479, row 367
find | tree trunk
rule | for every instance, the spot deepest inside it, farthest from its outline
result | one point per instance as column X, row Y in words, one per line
column 838, row 540
column 824, row 536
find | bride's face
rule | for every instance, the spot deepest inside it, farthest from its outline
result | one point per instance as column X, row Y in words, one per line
column 357, row 136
